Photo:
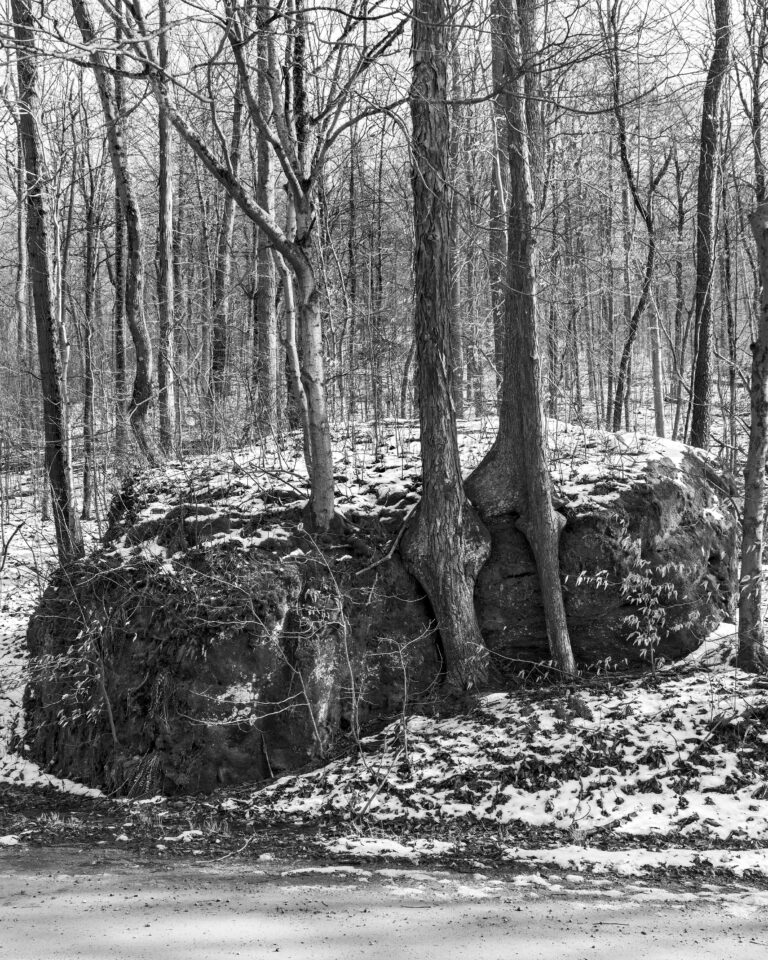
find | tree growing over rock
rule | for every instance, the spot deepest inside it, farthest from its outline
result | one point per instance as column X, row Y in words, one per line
column 445, row 544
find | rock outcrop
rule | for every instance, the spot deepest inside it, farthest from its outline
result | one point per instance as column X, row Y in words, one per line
column 212, row 640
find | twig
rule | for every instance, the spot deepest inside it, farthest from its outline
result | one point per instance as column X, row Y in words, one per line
column 7, row 544
column 233, row 853
column 380, row 784
column 390, row 553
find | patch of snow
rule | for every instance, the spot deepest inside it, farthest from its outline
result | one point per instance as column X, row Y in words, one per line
column 633, row 862
column 414, row 849
column 350, row 871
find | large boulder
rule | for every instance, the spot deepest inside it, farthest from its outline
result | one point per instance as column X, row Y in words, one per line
column 649, row 556
column 212, row 640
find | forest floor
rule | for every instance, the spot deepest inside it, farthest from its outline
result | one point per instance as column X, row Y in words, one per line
column 625, row 807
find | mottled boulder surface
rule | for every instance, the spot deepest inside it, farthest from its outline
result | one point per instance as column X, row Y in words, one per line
column 212, row 640
column 649, row 552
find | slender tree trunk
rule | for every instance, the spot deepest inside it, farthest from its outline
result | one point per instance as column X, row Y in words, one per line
column 223, row 276
column 266, row 363
column 607, row 296
column 553, row 384
column 705, row 225
column 731, row 332
column 445, row 545
column 406, row 380
column 679, row 357
column 69, row 537
column 181, row 317
column 165, row 278
column 119, row 276
column 321, row 507
column 643, row 206
column 91, row 267
column 753, row 652
column 292, row 363
column 351, row 298
column 658, row 374
column 295, row 250
column 497, row 227
column 21, row 294
column 142, row 394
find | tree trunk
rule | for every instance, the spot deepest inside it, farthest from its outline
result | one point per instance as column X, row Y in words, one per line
column 294, row 250
column 266, row 360
column 680, row 338
column 497, row 226
column 753, row 653
column 119, row 278
column 351, row 298
column 514, row 476
column 657, row 367
column 91, row 269
column 445, row 545
column 181, row 312
column 69, row 537
column 705, row 225
column 457, row 305
column 21, row 295
column 731, row 330
column 142, row 394
column 223, row 277
column 165, row 278
column 644, row 207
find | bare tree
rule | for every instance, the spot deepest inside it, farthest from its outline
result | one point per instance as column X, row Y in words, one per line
column 514, row 476
column 69, row 537
column 753, row 652
column 165, row 279
column 709, row 145
column 142, row 395
column 643, row 205
column 287, row 131
column 445, row 545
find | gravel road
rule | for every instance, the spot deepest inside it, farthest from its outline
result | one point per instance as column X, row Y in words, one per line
column 58, row 904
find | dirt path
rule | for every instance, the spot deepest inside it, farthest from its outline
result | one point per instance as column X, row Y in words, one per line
column 61, row 904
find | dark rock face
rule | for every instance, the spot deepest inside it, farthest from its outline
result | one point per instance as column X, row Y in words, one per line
column 668, row 534
column 217, row 645
column 222, row 668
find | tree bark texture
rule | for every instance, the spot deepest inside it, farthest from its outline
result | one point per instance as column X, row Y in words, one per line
column 266, row 360
column 445, row 544
column 753, row 653
column 514, row 476
column 223, row 273
column 165, row 278
column 39, row 248
column 705, row 225
column 142, row 394
column 294, row 250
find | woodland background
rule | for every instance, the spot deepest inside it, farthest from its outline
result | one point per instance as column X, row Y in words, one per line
column 222, row 215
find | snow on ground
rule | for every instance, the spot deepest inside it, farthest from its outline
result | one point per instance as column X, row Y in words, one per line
column 373, row 469
column 27, row 556
column 629, row 862
column 31, row 550
column 680, row 759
